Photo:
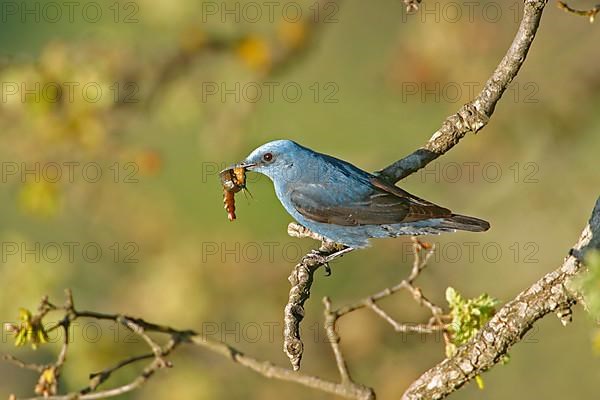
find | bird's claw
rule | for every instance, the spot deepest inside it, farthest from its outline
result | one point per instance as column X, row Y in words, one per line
column 316, row 257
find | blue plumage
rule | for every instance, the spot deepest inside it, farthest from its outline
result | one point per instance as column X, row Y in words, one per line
column 344, row 203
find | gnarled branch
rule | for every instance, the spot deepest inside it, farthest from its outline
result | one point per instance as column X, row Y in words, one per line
column 301, row 280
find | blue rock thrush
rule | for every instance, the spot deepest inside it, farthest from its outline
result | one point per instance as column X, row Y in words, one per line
column 345, row 204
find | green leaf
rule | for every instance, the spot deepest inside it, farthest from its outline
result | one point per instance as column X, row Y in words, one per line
column 588, row 284
column 29, row 330
column 468, row 315
column 479, row 381
column 24, row 315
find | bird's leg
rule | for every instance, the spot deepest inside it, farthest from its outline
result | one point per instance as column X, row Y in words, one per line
column 327, row 252
column 337, row 254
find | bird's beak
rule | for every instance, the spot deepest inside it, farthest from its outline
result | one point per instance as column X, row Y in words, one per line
column 246, row 165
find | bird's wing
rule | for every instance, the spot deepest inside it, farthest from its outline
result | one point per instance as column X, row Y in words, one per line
column 382, row 204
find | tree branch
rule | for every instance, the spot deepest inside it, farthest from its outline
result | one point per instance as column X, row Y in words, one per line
column 510, row 324
column 474, row 115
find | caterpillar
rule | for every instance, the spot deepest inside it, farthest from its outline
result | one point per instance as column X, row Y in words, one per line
column 233, row 180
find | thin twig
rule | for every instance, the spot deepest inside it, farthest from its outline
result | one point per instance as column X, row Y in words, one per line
column 139, row 330
column 97, row 378
column 591, row 13
column 435, row 324
column 334, row 341
column 404, row 327
column 22, row 364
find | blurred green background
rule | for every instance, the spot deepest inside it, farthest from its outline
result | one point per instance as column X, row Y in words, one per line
column 374, row 84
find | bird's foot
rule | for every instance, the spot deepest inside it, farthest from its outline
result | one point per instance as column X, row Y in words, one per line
column 315, row 258
column 325, row 256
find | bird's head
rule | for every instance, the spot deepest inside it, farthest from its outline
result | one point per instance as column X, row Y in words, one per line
column 275, row 159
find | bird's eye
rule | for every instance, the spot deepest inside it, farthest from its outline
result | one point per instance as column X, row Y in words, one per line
column 268, row 157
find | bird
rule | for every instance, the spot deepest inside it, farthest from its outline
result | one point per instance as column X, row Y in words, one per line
column 345, row 204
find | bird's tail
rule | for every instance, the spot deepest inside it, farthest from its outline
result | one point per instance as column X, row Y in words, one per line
column 464, row 223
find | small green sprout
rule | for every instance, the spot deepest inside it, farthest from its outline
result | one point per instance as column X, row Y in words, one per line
column 30, row 329
column 588, row 284
column 468, row 317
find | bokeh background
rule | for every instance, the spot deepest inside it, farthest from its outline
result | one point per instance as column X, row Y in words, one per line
column 360, row 80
